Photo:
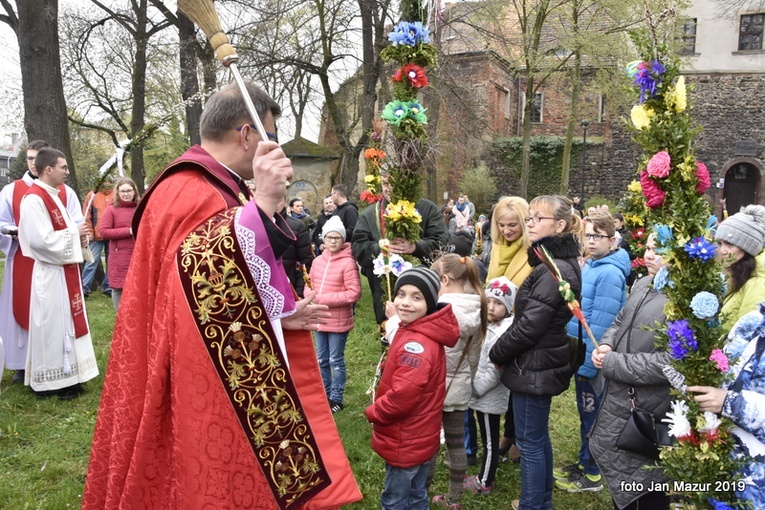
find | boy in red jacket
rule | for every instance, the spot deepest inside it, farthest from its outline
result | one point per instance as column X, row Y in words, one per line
column 407, row 412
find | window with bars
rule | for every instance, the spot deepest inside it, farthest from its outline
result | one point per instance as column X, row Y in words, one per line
column 536, row 108
column 750, row 32
column 688, row 37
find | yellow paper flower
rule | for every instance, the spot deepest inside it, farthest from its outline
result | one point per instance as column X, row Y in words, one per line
column 372, row 179
column 402, row 210
column 681, row 99
column 641, row 116
column 635, row 187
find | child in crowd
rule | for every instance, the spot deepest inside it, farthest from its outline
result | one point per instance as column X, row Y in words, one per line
column 461, row 287
column 490, row 396
column 604, row 292
column 406, row 413
column 336, row 281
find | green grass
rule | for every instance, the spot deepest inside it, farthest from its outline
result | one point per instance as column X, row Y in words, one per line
column 45, row 443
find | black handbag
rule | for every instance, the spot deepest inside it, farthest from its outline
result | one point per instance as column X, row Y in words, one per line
column 643, row 433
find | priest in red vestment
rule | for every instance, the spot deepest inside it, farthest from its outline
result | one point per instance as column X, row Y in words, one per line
column 213, row 396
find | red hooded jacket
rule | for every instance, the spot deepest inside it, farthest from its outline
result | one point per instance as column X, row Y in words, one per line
column 407, row 412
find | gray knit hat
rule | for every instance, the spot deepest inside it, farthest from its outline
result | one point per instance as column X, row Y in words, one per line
column 745, row 229
column 426, row 280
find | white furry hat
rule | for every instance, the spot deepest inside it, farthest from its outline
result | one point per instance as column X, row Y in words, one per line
column 502, row 289
column 333, row 224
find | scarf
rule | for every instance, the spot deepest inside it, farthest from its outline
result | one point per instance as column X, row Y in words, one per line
column 509, row 260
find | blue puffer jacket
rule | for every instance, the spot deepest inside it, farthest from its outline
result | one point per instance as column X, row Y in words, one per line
column 604, row 284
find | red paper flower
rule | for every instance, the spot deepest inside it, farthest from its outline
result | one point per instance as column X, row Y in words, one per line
column 414, row 73
column 370, row 198
column 638, row 234
column 702, row 174
column 654, row 195
column 659, row 165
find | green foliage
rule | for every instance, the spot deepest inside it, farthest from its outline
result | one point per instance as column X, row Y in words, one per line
column 546, row 159
column 166, row 144
column 598, row 201
column 19, row 165
column 424, row 55
column 480, row 186
column 91, row 149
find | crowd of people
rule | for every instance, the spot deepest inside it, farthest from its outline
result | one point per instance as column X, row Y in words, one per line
column 481, row 337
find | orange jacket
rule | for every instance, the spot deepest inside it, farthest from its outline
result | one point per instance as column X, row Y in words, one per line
column 93, row 217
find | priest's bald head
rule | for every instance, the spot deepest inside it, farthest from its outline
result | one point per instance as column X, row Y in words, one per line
column 227, row 131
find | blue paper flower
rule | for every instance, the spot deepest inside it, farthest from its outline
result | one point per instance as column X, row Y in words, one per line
column 648, row 78
column 663, row 236
column 712, row 223
column 681, row 338
column 409, row 33
column 700, row 248
column 661, row 279
column 704, row 305
column 719, row 505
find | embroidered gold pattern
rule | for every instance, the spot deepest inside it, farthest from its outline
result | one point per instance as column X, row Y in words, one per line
column 239, row 339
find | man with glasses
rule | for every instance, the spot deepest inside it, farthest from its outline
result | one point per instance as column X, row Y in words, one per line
column 211, row 348
column 14, row 298
column 60, row 355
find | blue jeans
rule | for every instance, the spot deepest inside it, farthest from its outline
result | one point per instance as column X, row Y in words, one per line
column 532, row 436
column 89, row 271
column 405, row 488
column 588, row 402
column 330, row 349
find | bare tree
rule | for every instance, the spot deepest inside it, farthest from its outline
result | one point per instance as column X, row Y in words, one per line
column 45, row 112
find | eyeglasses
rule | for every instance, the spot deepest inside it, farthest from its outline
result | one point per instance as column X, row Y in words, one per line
column 535, row 220
column 333, row 239
column 125, row 192
column 595, row 237
column 270, row 136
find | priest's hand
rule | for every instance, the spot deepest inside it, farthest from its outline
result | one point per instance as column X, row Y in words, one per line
column 84, row 234
column 272, row 171
column 308, row 315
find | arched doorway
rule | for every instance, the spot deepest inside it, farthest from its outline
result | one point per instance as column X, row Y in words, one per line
column 742, row 180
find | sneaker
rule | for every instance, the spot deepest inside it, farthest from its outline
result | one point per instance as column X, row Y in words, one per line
column 581, row 482
column 565, row 472
column 516, row 504
column 442, row 501
column 474, row 485
column 335, row 406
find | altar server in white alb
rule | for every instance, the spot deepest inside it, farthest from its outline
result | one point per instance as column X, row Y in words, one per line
column 14, row 297
column 60, row 354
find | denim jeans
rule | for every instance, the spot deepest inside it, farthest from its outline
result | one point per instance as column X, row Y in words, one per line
column 405, row 488
column 588, row 402
column 89, row 271
column 532, row 436
column 330, row 349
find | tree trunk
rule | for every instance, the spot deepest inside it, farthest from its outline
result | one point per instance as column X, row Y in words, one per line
column 189, row 82
column 44, row 104
column 526, row 165
column 576, row 85
column 138, row 111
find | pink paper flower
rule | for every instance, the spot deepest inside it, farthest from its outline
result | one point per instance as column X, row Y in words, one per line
column 720, row 359
column 659, row 165
column 702, row 174
column 654, row 195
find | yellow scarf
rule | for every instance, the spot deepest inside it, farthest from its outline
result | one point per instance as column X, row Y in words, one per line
column 510, row 260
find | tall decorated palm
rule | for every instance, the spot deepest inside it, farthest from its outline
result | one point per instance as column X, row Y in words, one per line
column 673, row 183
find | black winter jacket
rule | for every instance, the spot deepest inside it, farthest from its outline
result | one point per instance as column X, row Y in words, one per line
column 297, row 253
column 535, row 349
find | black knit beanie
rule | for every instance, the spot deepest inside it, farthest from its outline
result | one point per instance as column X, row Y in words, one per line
column 426, row 280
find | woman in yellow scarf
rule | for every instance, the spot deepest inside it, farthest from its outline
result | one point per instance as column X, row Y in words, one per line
column 509, row 241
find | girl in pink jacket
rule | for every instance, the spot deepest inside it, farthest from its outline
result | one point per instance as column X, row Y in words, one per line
column 337, row 284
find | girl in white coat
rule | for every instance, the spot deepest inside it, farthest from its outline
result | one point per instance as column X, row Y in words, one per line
column 461, row 287
column 490, row 396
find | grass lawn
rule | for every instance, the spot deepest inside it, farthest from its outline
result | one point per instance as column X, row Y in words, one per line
column 45, row 443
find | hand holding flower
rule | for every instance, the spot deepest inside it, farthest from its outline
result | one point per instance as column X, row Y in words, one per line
column 599, row 354
column 709, row 398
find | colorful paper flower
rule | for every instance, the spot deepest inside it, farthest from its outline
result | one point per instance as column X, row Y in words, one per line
column 700, row 248
column 373, row 153
column 677, row 418
column 681, row 338
column 369, row 197
column 402, row 210
column 720, row 359
column 632, row 68
column 719, row 505
column 711, row 424
column 661, row 279
column 654, row 195
column 398, row 111
column 664, row 236
column 635, row 187
column 648, row 78
column 637, row 263
column 702, row 174
column 414, row 73
column 409, row 33
column 641, row 116
column 659, row 165
column 395, row 266
column 705, row 305
column 680, row 95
